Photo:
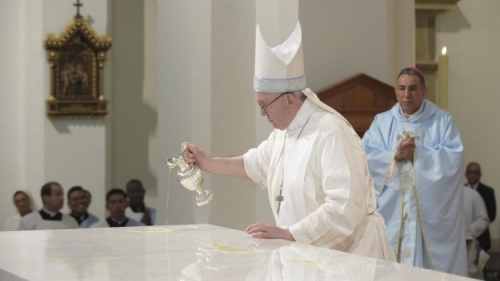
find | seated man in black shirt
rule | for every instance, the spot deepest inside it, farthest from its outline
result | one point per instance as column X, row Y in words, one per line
column 77, row 203
column 116, row 203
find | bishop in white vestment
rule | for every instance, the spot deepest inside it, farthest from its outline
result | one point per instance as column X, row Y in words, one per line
column 313, row 164
column 319, row 167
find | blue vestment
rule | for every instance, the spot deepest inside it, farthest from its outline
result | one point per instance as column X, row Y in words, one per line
column 89, row 221
column 420, row 200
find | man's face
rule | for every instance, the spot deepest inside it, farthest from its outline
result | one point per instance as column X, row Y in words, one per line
column 22, row 203
column 77, row 202
column 116, row 205
column 55, row 201
column 274, row 107
column 410, row 93
column 135, row 194
column 87, row 199
column 473, row 174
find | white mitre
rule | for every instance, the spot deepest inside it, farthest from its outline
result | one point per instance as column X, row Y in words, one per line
column 279, row 69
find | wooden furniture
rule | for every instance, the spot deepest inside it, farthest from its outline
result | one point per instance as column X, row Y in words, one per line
column 359, row 98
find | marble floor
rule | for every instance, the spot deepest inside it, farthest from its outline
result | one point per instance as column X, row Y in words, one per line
column 183, row 252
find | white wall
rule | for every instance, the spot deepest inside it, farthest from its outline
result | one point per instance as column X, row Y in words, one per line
column 10, row 107
column 133, row 100
column 471, row 35
column 343, row 38
column 206, row 97
column 184, row 93
column 233, row 105
column 33, row 92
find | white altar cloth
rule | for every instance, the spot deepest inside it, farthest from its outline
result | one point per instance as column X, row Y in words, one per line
column 183, row 252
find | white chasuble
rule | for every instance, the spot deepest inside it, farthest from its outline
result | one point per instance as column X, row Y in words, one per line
column 319, row 165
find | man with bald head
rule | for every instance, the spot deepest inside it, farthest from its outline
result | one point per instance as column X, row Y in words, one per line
column 473, row 175
column 49, row 217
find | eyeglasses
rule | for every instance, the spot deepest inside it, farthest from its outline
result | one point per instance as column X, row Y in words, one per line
column 264, row 107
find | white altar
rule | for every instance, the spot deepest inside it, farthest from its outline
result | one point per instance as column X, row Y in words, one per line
column 183, row 252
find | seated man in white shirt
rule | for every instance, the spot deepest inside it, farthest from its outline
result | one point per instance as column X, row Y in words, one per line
column 78, row 204
column 116, row 203
column 137, row 209
column 49, row 216
column 24, row 206
column 476, row 222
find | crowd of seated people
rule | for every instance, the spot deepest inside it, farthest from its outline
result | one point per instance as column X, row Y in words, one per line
column 126, row 208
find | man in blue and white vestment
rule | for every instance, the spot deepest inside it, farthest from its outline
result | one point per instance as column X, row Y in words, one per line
column 415, row 156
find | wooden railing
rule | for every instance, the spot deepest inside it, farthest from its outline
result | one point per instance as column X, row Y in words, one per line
column 359, row 98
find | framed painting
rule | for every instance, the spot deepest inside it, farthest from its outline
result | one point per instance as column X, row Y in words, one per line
column 76, row 58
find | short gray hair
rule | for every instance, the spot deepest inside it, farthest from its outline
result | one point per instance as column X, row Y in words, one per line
column 299, row 95
column 413, row 71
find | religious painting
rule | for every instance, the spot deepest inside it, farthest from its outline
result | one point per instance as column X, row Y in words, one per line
column 76, row 57
column 76, row 67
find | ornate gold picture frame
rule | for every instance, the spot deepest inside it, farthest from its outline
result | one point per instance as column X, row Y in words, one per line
column 76, row 58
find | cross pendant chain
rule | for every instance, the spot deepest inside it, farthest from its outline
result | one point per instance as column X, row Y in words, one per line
column 280, row 199
column 280, row 196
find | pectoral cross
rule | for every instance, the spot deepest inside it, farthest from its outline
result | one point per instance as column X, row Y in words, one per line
column 408, row 134
column 280, row 199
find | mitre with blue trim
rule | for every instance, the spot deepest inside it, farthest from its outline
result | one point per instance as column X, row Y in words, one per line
column 279, row 69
